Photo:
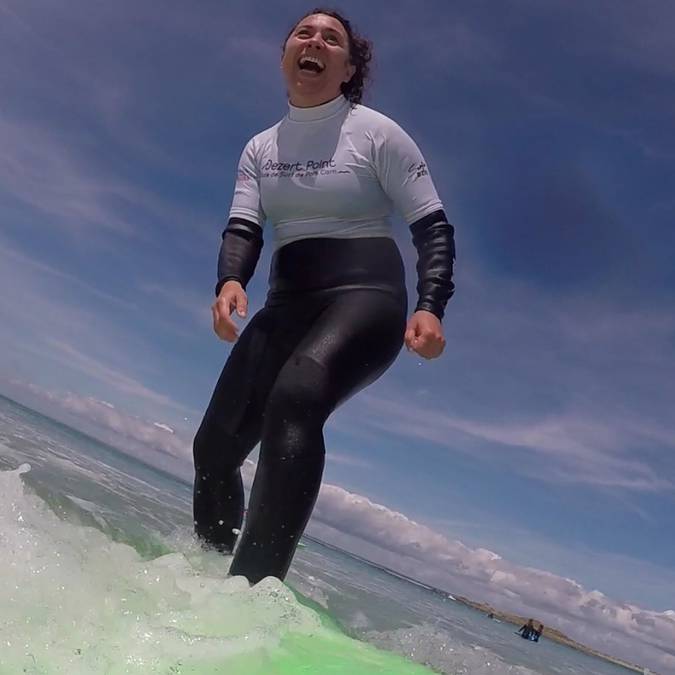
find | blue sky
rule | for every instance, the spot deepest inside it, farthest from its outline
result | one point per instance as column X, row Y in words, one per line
column 545, row 431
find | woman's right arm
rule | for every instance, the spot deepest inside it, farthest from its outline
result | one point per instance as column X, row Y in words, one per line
column 242, row 238
column 240, row 249
column 239, row 252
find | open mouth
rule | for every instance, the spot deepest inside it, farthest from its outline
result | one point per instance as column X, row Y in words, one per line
column 311, row 64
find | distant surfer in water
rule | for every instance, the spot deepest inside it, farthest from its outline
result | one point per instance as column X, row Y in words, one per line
column 326, row 177
column 527, row 630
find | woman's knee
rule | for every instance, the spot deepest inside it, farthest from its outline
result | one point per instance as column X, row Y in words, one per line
column 298, row 406
column 214, row 451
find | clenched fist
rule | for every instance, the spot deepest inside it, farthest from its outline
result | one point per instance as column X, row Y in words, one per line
column 424, row 335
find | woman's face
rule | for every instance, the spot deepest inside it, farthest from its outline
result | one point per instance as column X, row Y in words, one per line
column 316, row 60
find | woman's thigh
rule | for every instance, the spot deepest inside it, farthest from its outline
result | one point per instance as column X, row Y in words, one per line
column 357, row 336
column 239, row 397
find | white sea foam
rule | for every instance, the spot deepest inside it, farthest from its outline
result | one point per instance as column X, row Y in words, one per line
column 74, row 601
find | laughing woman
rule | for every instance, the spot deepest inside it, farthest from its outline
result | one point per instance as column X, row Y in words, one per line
column 326, row 177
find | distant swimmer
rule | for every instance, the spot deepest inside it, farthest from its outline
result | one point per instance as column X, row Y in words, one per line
column 326, row 178
column 527, row 630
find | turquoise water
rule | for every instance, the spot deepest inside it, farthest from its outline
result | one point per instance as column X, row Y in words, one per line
column 102, row 575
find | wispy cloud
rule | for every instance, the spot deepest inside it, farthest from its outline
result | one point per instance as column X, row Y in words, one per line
column 47, row 327
column 43, row 173
column 191, row 304
column 34, row 267
column 343, row 459
column 582, row 449
column 114, row 379
column 80, row 195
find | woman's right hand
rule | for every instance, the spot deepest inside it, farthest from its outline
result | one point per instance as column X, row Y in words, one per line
column 232, row 296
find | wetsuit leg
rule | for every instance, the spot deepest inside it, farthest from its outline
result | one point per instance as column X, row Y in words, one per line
column 353, row 341
column 232, row 424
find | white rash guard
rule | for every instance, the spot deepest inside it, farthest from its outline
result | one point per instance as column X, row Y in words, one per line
column 332, row 171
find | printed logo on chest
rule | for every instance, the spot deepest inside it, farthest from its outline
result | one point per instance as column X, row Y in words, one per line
column 304, row 169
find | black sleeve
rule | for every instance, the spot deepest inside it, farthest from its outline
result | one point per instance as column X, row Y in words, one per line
column 239, row 252
column 434, row 239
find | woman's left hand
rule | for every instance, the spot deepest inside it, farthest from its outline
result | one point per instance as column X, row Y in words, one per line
column 424, row 335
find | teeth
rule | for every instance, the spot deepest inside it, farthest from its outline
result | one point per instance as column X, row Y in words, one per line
column 313, row 59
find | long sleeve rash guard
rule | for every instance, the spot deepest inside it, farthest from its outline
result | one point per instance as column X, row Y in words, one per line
column 337, row 170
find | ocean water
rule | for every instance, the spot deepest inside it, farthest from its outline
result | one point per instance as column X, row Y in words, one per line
column 101, row 574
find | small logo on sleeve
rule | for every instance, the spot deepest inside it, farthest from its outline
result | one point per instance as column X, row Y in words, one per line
column 418, row 170
column 242, row 177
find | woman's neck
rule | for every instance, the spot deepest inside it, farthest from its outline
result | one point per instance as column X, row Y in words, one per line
column 311, row 100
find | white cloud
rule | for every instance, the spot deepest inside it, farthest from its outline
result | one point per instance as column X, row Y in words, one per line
column 165, row 427
column 154, row 435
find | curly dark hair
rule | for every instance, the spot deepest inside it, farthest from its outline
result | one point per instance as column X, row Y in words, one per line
column 360, row 54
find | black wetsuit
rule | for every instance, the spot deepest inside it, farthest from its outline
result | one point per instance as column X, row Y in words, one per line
column 333, row 322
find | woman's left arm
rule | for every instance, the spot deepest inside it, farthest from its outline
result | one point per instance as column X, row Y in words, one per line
column 405, row 178
column 434, row 239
